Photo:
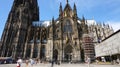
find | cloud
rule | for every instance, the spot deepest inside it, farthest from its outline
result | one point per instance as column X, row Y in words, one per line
column 115, row 25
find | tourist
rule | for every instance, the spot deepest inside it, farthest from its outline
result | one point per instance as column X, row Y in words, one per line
column 118, row 60
column 96, row 61
column 19, row 62
column 26, row 62
column 88, row 61
column 32, row 62
column 52, row 63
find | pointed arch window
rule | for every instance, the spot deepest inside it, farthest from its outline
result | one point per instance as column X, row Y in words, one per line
column 68, row 27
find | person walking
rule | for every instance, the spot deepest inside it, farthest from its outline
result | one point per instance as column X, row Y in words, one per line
column 32, row 62
column 52, row 63
column 19, row 62
column 26, row 62
column 88, row 61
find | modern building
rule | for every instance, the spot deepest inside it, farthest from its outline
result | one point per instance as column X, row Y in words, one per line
column 66, row 38
column 109, row 47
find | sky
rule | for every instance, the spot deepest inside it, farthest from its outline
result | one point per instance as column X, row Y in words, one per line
column 107, row 11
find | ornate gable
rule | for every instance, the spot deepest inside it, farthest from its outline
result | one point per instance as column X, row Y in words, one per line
column 67, row 10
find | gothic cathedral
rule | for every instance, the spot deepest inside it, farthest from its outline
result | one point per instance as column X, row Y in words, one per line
column 67, row 38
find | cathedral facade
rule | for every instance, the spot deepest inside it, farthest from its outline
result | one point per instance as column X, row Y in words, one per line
column 67, row 38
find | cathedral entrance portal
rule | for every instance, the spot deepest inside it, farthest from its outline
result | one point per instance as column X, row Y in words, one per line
column 28, row 52
column 55, row 55
column 42, row 53
column 68, row 53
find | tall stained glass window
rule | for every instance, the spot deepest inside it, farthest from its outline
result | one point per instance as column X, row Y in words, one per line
column 68, row 27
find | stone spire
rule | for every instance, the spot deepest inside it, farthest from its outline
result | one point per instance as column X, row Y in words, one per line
column 60, row 10
column 67, row 1
column 75, row 11
column 74, row 7
column 83, row 19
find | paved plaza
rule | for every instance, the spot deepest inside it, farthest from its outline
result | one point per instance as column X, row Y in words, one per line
column 62, row 65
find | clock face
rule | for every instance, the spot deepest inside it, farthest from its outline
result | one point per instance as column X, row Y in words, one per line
column 68, row 27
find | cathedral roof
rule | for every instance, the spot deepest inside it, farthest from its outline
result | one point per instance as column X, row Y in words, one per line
column 48, row 23
column 41, row 23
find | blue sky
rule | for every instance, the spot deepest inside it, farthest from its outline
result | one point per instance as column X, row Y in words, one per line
column 107, row 11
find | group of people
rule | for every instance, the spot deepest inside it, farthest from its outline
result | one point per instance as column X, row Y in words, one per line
column 27, row 62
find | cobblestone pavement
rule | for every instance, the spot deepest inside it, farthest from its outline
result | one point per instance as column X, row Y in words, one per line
column 61, row 65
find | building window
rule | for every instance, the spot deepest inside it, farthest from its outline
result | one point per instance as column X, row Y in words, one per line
column 68, row 27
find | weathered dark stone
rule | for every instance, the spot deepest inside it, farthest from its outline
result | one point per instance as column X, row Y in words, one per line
column 20, row 18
